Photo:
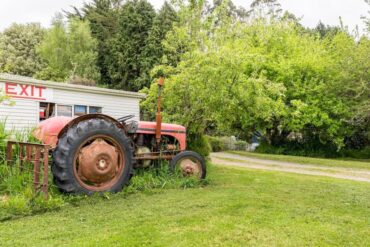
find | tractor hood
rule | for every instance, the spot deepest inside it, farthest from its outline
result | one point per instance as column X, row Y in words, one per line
column 165, row 128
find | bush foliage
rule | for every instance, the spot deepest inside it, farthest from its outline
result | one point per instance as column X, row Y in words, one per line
column 219, row 144
column 266, row 74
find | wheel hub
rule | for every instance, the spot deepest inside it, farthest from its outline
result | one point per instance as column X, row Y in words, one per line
column 189, row 168
column 102, row 165
column 98, row 162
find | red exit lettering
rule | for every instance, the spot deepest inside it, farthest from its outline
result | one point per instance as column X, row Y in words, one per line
column 24, row 91
column 10, row 89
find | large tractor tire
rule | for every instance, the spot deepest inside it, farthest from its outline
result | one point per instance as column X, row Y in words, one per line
column 93, row 156
column 189, row 164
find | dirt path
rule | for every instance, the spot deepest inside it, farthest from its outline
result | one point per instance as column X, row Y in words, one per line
column 335, row 172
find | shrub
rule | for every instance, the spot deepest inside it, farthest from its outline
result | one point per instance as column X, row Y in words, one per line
column 199, row 143
column 216, row 144
column 225, row 143
column 241, row 145
column 228, row 143
column 357, row 154
column 264, row 147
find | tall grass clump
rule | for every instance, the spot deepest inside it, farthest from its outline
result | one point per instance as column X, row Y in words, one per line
column 17, row 196
column 160, row 177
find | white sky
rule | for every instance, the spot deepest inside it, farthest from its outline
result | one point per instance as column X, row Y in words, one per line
column 312, row 11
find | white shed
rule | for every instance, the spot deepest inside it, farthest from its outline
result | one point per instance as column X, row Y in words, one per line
column 34, row 100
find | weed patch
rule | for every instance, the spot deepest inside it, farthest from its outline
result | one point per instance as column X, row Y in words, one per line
column 19, row 198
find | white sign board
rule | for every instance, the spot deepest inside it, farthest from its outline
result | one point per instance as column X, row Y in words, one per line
column 26, row 91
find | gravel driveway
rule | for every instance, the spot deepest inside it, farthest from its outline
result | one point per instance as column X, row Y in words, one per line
column 229, row 159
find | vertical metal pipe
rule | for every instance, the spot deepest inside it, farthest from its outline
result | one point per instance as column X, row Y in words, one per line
column 158, row 115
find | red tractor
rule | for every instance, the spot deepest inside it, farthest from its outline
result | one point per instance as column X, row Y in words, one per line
column 97, row 153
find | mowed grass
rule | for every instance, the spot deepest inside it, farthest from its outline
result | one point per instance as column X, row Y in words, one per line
column 239, row 207
column 307, row 160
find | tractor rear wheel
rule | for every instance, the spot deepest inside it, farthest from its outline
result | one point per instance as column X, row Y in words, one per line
column 94, row 155
column 189, row 164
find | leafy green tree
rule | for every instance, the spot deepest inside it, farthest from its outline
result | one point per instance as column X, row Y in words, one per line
column 102, row 16
column 18, row 49
column 367, row 18
column 265, row 9
column 154, row 51
column 69, row 52
column 128, row 61
column 326, row 30
column 353, row 84
column 264, row 75
column 236, row 12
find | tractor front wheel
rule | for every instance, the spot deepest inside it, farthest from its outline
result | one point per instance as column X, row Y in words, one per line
column 189, row 164
column 94, row 155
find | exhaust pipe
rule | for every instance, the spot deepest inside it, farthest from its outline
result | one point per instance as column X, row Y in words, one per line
column 158, row 114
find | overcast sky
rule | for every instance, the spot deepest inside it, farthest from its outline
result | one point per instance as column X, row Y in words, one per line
column 311, row 11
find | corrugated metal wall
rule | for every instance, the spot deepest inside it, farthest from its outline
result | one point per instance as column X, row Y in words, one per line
column 21, row 116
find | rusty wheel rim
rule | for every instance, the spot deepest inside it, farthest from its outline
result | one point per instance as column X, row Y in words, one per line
column 189, row 167
column 99, row 163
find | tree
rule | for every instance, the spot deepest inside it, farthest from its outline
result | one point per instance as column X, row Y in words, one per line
column 238, row 13
column 242, row 77
column 353, row 85
column 102, row 15
column 326, row 30
column 18, row 49
column 154, row 51
column 367, row 18
column 69, row 52
column 265, row 8
column 128, row 63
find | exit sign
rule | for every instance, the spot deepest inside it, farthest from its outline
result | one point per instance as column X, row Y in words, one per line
column 26, row 91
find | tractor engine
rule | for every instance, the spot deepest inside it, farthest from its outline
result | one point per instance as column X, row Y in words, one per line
column 173, row 140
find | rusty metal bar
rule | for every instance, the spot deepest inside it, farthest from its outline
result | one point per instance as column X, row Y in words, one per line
column 29, row 150
column 9, row 152
column 155, row 157
column 166, row 155
column 46, row 172
column 36, row 169
column 21, row 156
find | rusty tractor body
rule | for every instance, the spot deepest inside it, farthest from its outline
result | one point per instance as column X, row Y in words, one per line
column 97, row 153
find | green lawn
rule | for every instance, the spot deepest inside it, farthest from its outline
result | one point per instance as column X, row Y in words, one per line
column 240, row 207
column 307, row 160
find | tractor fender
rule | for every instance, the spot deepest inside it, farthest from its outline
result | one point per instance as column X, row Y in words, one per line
column 90, row 116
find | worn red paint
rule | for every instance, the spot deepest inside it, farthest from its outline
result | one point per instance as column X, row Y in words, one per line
column 48, row 130
column 174, row 130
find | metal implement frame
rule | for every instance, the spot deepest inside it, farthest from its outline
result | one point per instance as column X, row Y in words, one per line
column 163, row 155
column 34, row 153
